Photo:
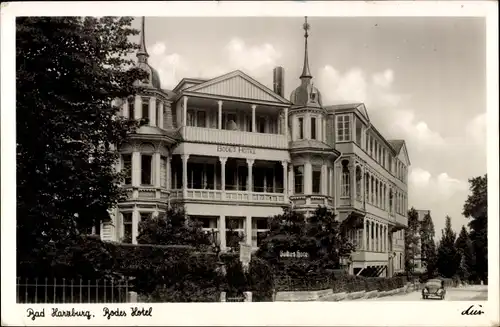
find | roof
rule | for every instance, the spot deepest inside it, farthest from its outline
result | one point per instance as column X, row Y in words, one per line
column 211, row 87
column 343, row 106
column 396, row 144
column 190, row 81
column 310, row 144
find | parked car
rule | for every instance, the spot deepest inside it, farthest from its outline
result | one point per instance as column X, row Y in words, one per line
column 434, row 288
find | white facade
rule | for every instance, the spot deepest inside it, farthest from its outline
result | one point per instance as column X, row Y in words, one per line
column 234, row 152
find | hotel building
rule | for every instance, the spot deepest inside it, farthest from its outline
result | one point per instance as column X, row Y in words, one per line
column 235, row 152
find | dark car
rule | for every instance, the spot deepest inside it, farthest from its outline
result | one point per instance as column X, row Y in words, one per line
column 434, row 288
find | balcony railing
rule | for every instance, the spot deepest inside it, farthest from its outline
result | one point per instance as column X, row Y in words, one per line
column 222, row 136
column 228, row 195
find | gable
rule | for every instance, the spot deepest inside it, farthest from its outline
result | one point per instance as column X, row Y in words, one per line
column 362, row 109
column 237, row 85
column 403, row 155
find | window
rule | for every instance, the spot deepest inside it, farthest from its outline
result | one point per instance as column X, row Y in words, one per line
column 359, row 128
column 316, row 179
column 371, row 146
column 127, row 168
column 345, row 184
column 301, row 128
column 127, row 227
column 163, row 172
column 248, row 123
column 261, row 125
column 299, row 179
column 145, row 108
column 201, row 119
column 131, row 108
column 313, row 128
column 390, row 200
column 158, row 110
column 146, row 176
column 343, row 128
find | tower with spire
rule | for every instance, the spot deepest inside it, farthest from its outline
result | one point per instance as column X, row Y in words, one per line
column 311, row 148
column 306, row 94
column 153, row 79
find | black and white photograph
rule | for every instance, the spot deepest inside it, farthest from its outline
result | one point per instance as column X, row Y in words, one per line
column 235, row 157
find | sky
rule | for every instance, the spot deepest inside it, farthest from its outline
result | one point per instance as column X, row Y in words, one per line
column 422, row 79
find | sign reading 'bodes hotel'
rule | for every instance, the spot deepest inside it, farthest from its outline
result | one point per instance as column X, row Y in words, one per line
column 232, row 149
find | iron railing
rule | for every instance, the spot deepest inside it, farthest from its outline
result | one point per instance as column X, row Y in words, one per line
column 45, row 290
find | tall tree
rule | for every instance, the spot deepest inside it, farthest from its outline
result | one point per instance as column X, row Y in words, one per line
column 412, row 238
column 466, row 253
column 321, row 236
column 69, row 70
column 476, row 209
column 428, row 245
column 331, row 237
column 448, row 259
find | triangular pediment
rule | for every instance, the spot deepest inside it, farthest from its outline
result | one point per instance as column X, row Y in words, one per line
column 403, row 155
column 237, row 85
column 362, row 109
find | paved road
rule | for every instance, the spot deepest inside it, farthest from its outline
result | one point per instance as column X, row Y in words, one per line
column 467, row 293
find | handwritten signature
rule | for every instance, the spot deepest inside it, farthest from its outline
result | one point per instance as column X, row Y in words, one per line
column 473, row 311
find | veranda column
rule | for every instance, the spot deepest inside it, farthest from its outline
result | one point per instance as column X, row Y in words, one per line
column 157, row 169
column 291, row 181
column 285, row 177
column 387, row 245
column 135, row 225
column 219, row 121
column 250, row 163
column 370, row 231
column 324, row 180
column 169, row 171
column 223, row 175
column 185, row 158
column 184, row 111
column 253, row 118
column 307, row 178
column 222, row 232
column 160, row 115
column 152, row 111
column 248, row 230
column 136, row 169
column 364, row 248
column 138, row 107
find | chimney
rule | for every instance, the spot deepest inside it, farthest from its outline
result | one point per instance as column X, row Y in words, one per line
column 279, row 81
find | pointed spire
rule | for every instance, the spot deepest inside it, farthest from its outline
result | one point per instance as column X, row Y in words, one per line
column 142, row 54
column 305, row 70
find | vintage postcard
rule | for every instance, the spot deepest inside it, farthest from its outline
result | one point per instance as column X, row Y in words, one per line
column 250, row 163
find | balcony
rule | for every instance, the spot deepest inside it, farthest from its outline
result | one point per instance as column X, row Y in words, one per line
column 146, row 193
column 361, row 256
column 229, row 137
column 228, row 195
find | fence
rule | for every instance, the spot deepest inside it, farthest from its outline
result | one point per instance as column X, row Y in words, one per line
column 342, row 284
column 47, row 290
